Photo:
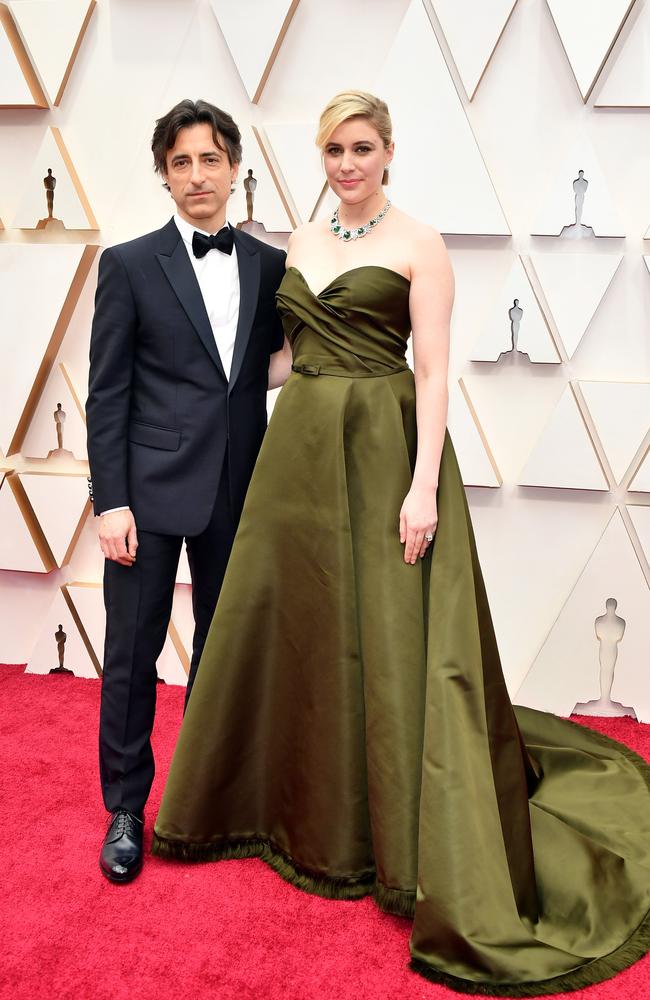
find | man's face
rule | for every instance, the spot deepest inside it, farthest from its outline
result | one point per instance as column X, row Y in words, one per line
column 200, row 176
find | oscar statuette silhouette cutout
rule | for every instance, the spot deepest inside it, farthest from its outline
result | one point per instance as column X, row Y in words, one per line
column 49, row 183
column 610, row 629
column 249, row 224
column 59, row 422
column 513, row 355
column 515, row 314
column 253, row 226
column 577, row 230
column 60, row 637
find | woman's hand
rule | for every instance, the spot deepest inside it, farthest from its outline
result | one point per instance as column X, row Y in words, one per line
column 417, row 519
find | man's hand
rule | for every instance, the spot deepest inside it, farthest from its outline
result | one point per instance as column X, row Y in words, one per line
column 118, row 537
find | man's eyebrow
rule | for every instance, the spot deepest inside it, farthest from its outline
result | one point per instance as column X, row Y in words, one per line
column 181, row 156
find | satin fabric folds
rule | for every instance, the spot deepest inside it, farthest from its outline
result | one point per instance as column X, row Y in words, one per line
column 350, row 724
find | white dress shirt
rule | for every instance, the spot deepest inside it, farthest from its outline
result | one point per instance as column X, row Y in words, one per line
column 218, row 277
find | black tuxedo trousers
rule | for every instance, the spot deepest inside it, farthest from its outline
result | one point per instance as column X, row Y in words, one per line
column 138, row 602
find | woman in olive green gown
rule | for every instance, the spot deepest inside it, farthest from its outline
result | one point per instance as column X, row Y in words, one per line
column 349, row 723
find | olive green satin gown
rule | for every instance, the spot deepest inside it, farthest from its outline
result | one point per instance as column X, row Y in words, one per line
column 350, row 724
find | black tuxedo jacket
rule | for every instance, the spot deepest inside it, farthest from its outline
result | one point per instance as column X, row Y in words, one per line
column 161, row 413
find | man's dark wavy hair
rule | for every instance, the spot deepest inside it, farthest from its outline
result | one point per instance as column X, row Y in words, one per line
column 225, row 133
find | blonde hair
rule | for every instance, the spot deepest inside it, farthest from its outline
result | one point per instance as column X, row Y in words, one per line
column 356, row 104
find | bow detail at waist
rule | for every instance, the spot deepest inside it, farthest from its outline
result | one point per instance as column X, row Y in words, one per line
column 342, row 372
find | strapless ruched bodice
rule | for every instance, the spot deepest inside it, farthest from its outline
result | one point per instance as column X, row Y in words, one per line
column 358, row 325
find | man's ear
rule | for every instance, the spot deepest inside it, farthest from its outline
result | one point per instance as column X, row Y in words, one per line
column 235, row 172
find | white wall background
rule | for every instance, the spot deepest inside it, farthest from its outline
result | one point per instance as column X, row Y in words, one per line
column 139, row 57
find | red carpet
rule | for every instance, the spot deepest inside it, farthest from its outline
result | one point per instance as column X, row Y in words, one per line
column 232, row 931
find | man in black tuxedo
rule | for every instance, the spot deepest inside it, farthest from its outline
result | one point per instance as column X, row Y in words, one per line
column 185, row 342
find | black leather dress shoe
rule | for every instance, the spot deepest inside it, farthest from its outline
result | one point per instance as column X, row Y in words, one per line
column 121, row 856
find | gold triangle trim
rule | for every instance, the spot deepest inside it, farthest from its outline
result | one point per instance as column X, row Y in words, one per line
column 590, row 424
column 52, row 349
column 73, row 390
column 540, row 297
column 566, row 600
column 431, row 11
column 77, row 533
column 477, row 422
column 636, row 463
column 592, row 433
column 319, row 202
column 635, row 540
column 73, row 55
column 74, row 177
column 272, row 171
column 177, row 643
column 438, row 33
column 82, row 517
column 26, row 68
column 605, row 57
column 30, row 519
column 274, row 52
column 81, row 629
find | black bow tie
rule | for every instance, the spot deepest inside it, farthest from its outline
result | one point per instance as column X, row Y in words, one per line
column 223, row 241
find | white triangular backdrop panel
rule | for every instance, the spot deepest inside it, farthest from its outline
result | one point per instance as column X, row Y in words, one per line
column 641, row 479
column 59, row 502
column 621, row 415
column 299, row 160
column 574, row 285
column 476, row 466
column 251, row 30
column 472, row 48
column 267, row 204
column 68, row 205
column 440, row 176
column 17, row 548
column 14, row 89
column 534, row 338
column 640, row 517
column 566, row 669
column 627, row 75
column 564, row 457
column 75, row 653
column 51, row 31
column 558, row 213
column 41, row 437
column 28, row 319
column 588, row 34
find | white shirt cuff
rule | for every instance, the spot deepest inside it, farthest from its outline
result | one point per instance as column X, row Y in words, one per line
column 112, row 510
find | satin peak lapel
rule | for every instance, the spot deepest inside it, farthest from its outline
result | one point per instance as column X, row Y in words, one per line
column 249, row 290
column 180, row 274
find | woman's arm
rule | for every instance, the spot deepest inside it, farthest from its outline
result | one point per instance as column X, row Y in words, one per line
column 430, row 304
column 280, row 362
column 280, row 366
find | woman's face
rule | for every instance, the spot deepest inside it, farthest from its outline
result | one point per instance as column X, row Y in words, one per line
column 355, row 159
